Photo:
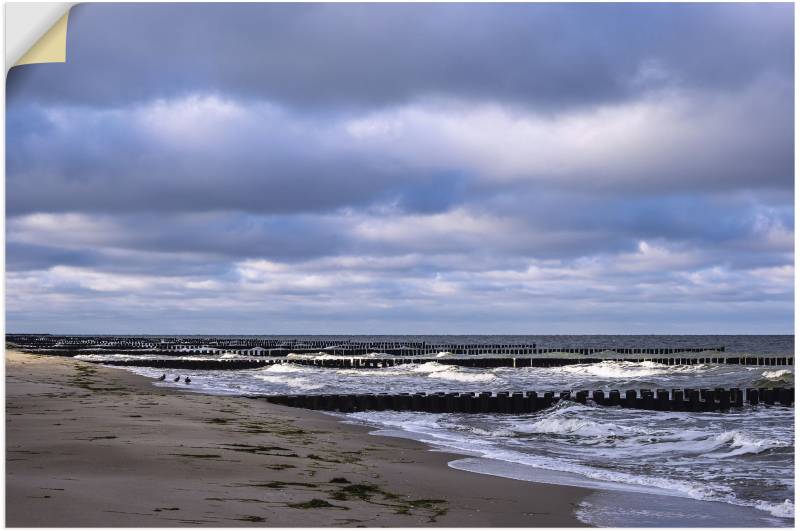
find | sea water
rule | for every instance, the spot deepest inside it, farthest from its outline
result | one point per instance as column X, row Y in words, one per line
column 648, row 468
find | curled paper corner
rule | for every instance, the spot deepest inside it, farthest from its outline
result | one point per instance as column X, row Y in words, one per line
column 51, row 47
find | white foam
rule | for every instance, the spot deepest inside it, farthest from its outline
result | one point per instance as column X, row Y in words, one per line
column 301, row 384
column 625, row 369
column 490, row 433
column 776, row 375
column 427, row 367
column 314, row 356
column 451, row 372
column 781, row 510
column 741, row 443
column 431, row 427
column 285, row 368
column 572, row 426
column 434, row 429
column 289, row 375
column 640, row 442
column 368, row 373
column 456, row 375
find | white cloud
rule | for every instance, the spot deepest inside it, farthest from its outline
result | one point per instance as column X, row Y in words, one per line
column 687, row 136
column 190, row 121
column 68, row 229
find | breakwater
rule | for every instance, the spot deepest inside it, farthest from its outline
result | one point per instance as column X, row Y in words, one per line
column 264, row 347
column 471, row 362
column 719, row 399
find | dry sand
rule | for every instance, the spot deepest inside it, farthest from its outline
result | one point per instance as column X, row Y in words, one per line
column 93, row 446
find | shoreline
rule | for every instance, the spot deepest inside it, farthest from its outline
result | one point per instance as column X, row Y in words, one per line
column 89, row 445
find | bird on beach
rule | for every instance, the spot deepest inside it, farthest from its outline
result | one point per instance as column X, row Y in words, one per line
column 162, row 378
column 187, row 380
column 177, row 379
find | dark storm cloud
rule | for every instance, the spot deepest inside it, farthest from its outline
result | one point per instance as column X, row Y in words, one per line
column 380, row 54
column 109, row 162
column 30, row 257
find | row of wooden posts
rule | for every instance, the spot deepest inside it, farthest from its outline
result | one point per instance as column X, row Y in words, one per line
column 474, row 362
column 264, row 346
column 719, row 399
column 64, row 350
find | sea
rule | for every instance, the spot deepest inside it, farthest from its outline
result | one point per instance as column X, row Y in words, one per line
column 645, row 468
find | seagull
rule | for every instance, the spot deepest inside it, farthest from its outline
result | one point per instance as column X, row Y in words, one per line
column 177, row 379
column 187, row 380
column 162, row 378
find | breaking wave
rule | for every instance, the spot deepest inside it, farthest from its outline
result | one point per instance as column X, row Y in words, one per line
column 779, row 378
column 452, row 372
column 626, row 369
column 742, row 443
column 573, row 426
column 781, row 510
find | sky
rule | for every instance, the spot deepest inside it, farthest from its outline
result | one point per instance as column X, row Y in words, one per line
column 417, row 168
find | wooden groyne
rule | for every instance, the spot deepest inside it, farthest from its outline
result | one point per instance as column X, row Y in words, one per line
column 281, row 347
column 234, row 353
column 719, row 399
column 471, row 362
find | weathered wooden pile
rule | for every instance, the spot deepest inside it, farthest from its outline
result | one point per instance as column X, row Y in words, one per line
column 719, row 399
column 473, row 362
column 280, row 347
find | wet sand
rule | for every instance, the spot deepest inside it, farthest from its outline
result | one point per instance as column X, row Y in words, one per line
column 93, row 446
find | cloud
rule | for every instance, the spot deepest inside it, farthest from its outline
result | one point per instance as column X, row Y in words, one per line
column 505, row 299
column 205, row 153
column 665, row 142
column 442, row 168
column 196, row 154
column 362, row 55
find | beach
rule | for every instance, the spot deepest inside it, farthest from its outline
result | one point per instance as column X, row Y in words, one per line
column 94, row 446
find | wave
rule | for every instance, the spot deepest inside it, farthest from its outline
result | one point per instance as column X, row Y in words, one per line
column 285, row 368
column 685, row 488
column 447, row 431
column 302, row 384
column 626, row 369
column 781, row 377
column 462, row 376
column 429, row 369
column 781, row 510
column 741, row 443
column 315, row 356
column 568, row 418
column 481, row 432
column 289, row 375
column 559, row 420
column 776, row 375
column 428, row 366
column 367, row 373
column 572, row 426
column 490, row 450
column 643, row 442
column 452, row 372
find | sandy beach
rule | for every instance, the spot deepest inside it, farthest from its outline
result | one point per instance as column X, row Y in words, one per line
column 93, row 446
